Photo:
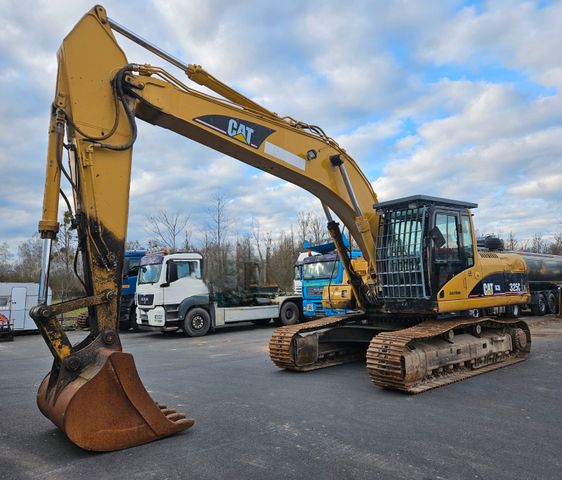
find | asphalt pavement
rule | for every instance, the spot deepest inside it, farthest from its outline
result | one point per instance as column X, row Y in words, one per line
column 254, row 421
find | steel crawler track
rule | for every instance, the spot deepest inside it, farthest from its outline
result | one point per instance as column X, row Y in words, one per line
column 282, row 345
column 385, row 356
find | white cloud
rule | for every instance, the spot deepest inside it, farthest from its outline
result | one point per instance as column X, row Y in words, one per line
column 374, row 75
column 522, row 35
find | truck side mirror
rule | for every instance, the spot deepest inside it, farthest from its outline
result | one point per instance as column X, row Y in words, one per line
column 165, row 284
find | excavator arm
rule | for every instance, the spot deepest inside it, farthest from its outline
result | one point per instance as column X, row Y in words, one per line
column 99, row 96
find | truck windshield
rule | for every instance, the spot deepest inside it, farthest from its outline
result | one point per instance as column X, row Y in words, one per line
column 131, row 267
column 318, row 270
column 149, row 273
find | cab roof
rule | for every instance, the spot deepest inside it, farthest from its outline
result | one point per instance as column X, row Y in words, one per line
column 414, row 201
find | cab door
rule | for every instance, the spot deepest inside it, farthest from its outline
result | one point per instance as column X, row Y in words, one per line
column 184, row 280
column 452, row 251
column 447, row 261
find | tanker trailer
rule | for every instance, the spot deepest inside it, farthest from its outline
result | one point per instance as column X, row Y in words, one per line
column 544, row 275
column 545, row 280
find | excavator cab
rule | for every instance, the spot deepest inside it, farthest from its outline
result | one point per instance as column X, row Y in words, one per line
column 423, row 242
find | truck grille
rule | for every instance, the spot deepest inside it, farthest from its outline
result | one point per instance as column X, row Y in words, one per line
column 145, row 299
column 314, row 291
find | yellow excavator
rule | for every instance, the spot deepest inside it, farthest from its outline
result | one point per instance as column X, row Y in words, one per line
column 421, row 286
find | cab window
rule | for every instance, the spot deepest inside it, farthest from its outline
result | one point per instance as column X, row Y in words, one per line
column 446, row 253
column 183, row 269
column 467, row 241
column 447, row 225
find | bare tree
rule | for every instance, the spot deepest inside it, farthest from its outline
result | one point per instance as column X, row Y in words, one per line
column 303, row 226
column 216, row 245
column 29, row 253
column 168, row 228
column 153, row 243
column 64, row 281
column 281, row 261
column 537, row 243
column 511, row 243
column 244, row 261
column 555, row 248
column 256, row 235
column 187, row 245
column 133, row 245
column 318, row 230
column 220, row 222
column 6, row 267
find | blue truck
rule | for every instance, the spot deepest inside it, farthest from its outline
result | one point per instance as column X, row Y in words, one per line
column 320, row 271
column 127, row 309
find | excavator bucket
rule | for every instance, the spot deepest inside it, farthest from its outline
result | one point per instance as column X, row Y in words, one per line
column 98, row 400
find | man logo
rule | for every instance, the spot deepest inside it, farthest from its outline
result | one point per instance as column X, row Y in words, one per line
column 244, row 131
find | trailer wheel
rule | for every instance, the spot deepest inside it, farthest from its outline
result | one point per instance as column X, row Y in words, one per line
column 551, row 302
column 289, row 314
column 197, row 322
column 540, row 307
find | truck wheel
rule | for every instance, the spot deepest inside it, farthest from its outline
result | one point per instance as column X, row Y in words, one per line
column 197, row 322
column 289, row 314
column 133, row 320
column 539, row 308
column 551, row 302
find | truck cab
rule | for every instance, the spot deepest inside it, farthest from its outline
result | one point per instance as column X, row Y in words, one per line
column 127, row 307
column 309, row 250
column 321, row 271
column 164, row 283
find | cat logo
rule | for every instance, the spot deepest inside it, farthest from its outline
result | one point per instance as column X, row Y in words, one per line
column 488, row 288
column 246, row 132
column 239, row 131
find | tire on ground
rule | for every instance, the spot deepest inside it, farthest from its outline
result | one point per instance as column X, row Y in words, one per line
column 551, row 302
column 197, row 322
column 540, row 307
column 289, row 314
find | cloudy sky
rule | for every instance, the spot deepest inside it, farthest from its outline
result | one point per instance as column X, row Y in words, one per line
column 456, row 99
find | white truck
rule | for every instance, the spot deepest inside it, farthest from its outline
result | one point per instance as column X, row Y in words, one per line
column 15, row 301
column 171, row 295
